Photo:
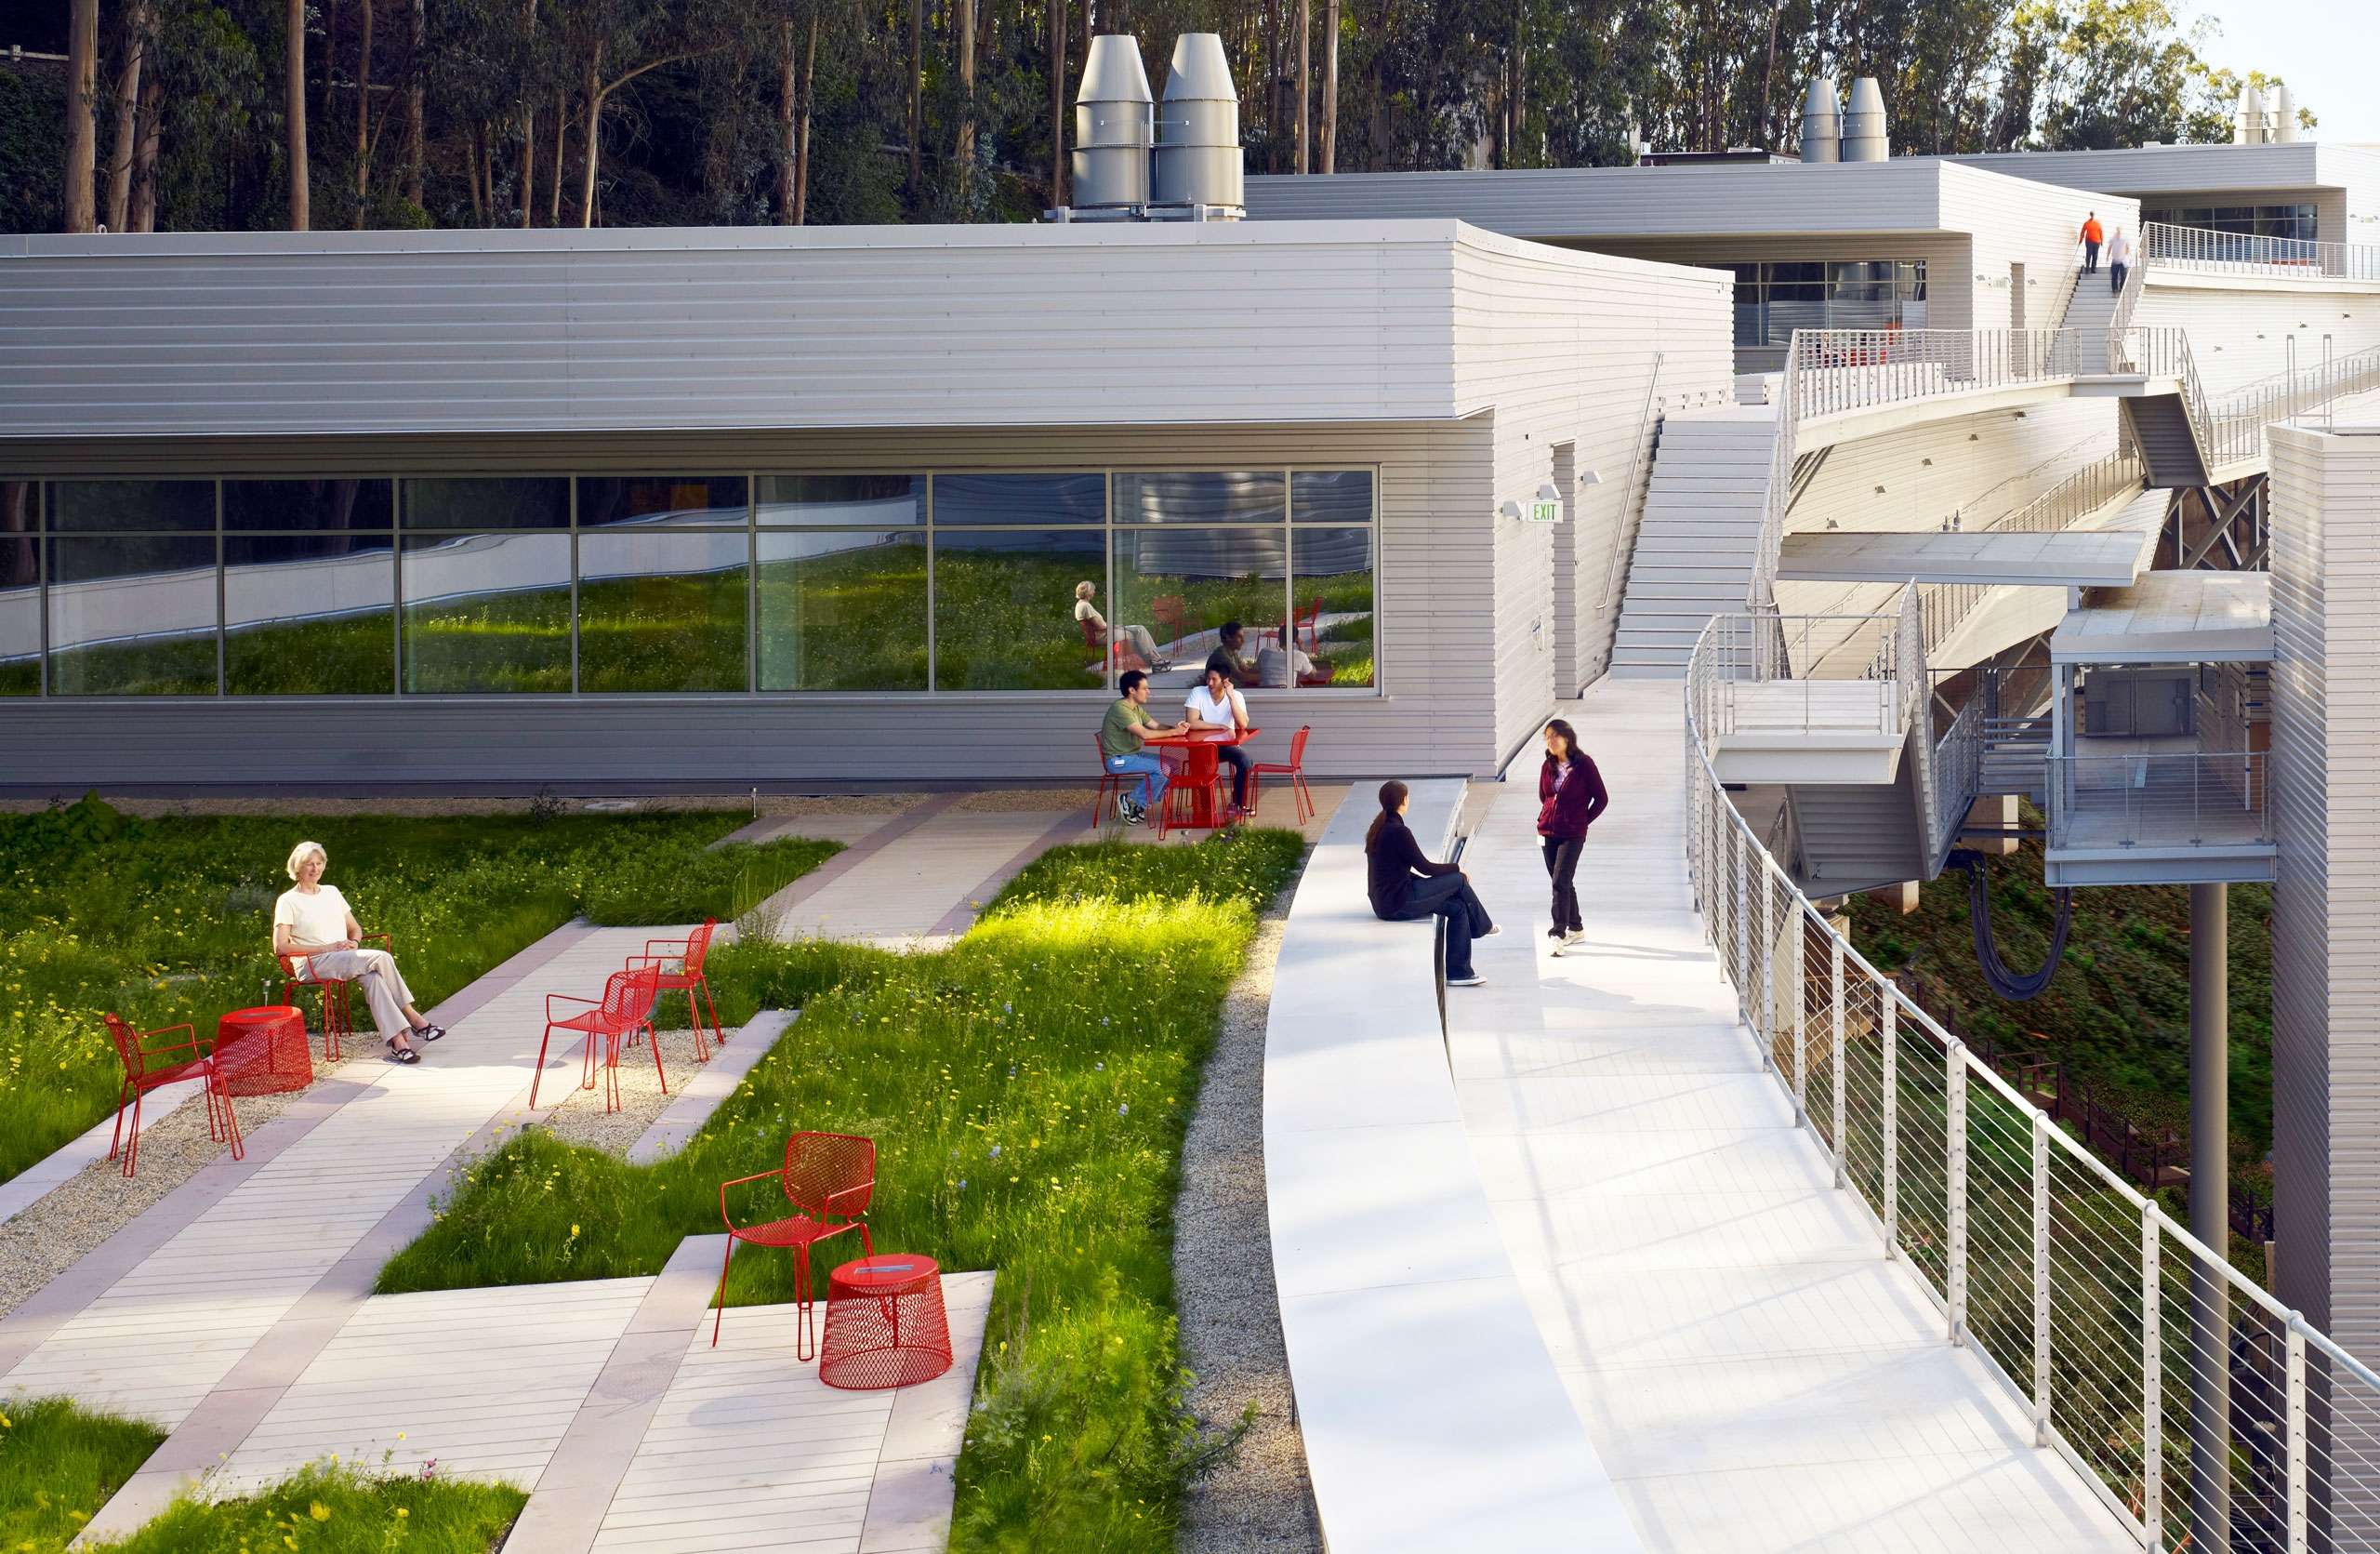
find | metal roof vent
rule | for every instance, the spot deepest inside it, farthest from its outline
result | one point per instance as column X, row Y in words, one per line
column 1198, row 162
column 1864, row 138
column 2285, row 117
column 2248, row 122
column 1821, row 124
column 1114, row 126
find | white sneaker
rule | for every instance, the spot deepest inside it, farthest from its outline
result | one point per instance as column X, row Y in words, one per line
column 1123, row 808
column 1474, row 979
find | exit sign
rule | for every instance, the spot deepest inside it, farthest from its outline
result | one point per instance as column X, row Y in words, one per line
column 1545, row 512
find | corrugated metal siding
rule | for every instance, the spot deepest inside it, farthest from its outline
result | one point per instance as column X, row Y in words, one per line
column 1566, row 364
column 2238, row 335
column 2159, row 169
column 2035, row 225
column 270, row 334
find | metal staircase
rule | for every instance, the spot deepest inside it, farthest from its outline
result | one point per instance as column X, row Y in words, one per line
column 1698, row 541
column 2171, row 452
column 1857, row 836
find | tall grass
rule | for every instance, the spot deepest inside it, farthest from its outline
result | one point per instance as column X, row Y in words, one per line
column 59, row 1465
column 1027, row 1090
column 331, row 1507
column 169, row 920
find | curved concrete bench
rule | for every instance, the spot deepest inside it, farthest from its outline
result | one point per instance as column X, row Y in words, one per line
column 1430, row 1410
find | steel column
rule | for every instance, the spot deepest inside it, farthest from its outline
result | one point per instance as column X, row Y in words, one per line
column 1891, row 1034
column 2041, row 1279
column 1801, row 1015
column 2153, row 1366
column 2295, row 1422
column 1836, row 957
column 2210, row 1218
column 1954, row 1063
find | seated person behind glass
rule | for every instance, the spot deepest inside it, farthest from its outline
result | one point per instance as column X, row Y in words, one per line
column 1275, row 665
column 1135, row 637
column 1217, row 703
column 1226, row 655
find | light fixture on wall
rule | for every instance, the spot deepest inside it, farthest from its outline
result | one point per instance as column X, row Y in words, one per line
column 1928, row 462
column 1511, row 509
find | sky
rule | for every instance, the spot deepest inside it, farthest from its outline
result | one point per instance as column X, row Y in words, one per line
column 2327, row 50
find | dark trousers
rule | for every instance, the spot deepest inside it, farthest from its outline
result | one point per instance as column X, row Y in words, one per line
column 1450, row 896
column 2090, row 258
column 1238, row 761
column 2115, row 277
column 1561, row 867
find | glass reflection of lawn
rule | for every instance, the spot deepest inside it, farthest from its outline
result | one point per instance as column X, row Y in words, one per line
column 848, row 621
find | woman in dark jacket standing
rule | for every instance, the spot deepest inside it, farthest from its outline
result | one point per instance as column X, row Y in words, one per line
column 1405, row 884
column 1569, row 796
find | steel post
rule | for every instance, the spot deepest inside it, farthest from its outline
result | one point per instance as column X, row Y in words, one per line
column 1954, row 1059
column 2210, row 1218
column 1837, row 1141
column 1891, row 1035
column 2152, row 1383
column 2041, row 1279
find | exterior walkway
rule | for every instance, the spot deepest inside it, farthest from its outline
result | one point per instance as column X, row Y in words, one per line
column 1753, row 1372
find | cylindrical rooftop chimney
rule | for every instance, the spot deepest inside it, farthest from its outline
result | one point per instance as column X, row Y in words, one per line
column 1198, row 160
column 1864, row 139
column 1821, row 124
column 2284, row 116
column 2248, row 125
column 1114, row 127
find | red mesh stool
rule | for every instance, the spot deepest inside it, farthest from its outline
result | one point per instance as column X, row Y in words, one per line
column 263, row 1051
column 885, row 1325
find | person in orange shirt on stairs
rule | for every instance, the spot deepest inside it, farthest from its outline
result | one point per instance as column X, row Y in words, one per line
column 2093, row 234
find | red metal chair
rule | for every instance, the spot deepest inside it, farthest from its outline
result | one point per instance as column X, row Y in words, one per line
column 1294, row 770
column 330, row 991
column 828, row 1178
column 687, row 956
column 1172, row 612
column 1305, row 623
column 1095, row 641
column 1110, row 783
column 625, row 1007
column 146, row 1067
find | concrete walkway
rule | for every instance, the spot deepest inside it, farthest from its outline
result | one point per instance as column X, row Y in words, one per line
column 1754, row 1375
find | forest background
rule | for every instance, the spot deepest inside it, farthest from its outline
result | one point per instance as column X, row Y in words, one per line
column 237, row 114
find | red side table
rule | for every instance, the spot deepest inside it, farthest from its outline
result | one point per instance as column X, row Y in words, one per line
column 885, row 1324
column 263, row 1051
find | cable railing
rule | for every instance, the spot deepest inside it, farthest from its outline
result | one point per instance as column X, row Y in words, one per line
column 1956, row 772
column 2243, row 254
column 2205, row 1414
column 1788, row 659
column 1834, row 371
column 2126, row 799
column 1947, row 606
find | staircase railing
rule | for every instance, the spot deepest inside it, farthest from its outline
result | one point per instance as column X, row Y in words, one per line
column 2126, row 299
column 2088, row 489
column 2205, row 1412
column 1956, row 777
column 1763, row 647
column 1629, row 498
column 2242, row 254
column 2241, row 414
column 2164, row 350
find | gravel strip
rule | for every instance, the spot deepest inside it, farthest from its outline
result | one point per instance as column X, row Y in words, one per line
column 1259, row 1500
column 582, row 1119
column 74, row 1218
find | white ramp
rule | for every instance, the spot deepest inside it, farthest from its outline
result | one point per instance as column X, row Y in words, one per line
column 1754, row 1374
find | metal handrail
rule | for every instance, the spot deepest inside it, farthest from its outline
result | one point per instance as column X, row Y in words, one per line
column 2184, row 799
column 1761, row 648
column 1956, row 772
column 1947, row 606
column 2162, row 243
column 2118, row 1330
column 1628, row 499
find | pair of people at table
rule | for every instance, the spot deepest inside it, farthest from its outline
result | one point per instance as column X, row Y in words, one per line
column 1214, row 704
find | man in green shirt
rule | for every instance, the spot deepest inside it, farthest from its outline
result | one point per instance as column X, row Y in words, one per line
column 1122, row 733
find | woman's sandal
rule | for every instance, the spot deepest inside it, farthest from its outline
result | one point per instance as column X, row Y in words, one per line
column 429, row 1033
column 400, row 1054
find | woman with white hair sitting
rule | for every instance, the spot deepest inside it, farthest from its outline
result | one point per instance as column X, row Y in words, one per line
column 314, row 926
column 1135, row 637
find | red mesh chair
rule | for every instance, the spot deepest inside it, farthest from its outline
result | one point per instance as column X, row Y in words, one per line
column 1095, row 641
column 827, row 1178
column 1295, row 769
column 146, row 1067
column 1305, row 623
column 1110, row 783
column 679, row 964
column 1172, row 612
column 625, row 1007
column 330, row 991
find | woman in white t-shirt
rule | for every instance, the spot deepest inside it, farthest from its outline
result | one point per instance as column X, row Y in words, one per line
column 1136, row 637
column 314, row 926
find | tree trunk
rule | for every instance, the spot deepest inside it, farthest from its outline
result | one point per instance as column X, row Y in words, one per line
column 330, row 58
column 363, row 113
column 472, row 178
column 593, row 147
column 127, row 118
column 916, row 99
column 785, row 151
column 294, row 110
column 561, row 135
column 416, row 154
column 528, row 162
column 802, row 124
column 144, row 155
column 1059, row 27
column 966, row 141
column 1330, row 85
column 1305, row 82
column 82, row 131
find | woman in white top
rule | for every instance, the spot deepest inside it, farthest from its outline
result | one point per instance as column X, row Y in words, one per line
column 1216, row 703
column 313, row 923
column 1136, row 637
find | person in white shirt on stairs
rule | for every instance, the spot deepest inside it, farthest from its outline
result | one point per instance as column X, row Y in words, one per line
column 312, row 921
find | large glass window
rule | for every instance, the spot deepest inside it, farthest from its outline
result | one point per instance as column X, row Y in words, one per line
column 1331, row 596
column 486, row 613
column 663, row 611
column 1187, row 588
column 1776, row 298
column 132, row 615
column 309, row 613
column 1019, row 500
column 842, row 610
column 313, row 506
column 2296, row 221
column 1201, row 497
column 471, row 505
column 1331, row 496
column 662, row 501
column 132, row 506
column 866, row 501
column 1004, row 610
column 20, row 587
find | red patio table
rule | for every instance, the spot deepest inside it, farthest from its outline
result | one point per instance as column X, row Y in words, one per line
column 1197, row 777
column 263, row 1051
column 885, row 1324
